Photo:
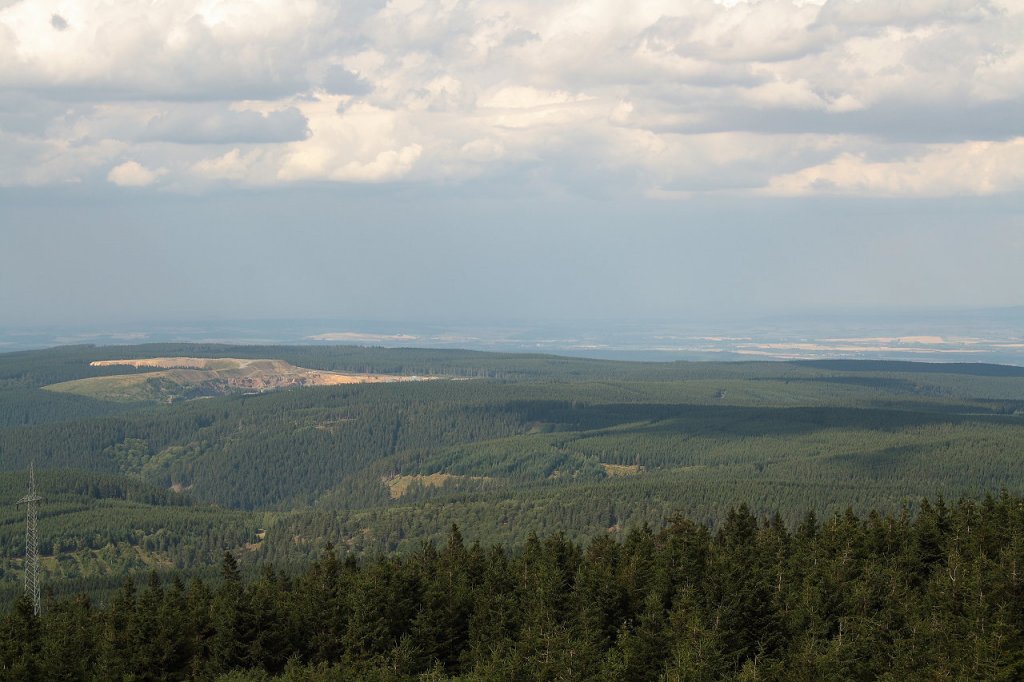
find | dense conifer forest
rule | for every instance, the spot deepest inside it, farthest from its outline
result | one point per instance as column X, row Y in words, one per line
column 620, row 510
column 935, row 595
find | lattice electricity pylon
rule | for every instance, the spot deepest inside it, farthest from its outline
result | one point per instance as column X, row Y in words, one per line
column 31, row 502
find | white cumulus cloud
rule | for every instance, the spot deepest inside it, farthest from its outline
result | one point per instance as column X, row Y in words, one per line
column 972, row 168
column 132, row 174
column 774, row 97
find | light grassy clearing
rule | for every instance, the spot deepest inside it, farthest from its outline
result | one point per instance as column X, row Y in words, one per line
column 399, row 485
column 621, row 469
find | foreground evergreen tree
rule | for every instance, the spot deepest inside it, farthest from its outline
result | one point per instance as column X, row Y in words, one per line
column 22, row 642
column 234, row 626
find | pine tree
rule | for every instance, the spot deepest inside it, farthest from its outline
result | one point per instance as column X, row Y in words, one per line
column 695, row 646
column 69, row 648
column 233, row 623
column 601, row 600
column 322, row 607
column 117, row 643
column 199, row 626
column 22, row 641
column 176, row 627
column 643, row 644
column 495, row 619
column 441, row 627
column 151, row 635
column 271, row 644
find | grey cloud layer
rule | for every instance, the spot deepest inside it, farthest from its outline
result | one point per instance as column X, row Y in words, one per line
column 648, row 97
column 215, row 124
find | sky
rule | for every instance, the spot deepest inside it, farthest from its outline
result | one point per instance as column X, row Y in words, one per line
column 462, row 161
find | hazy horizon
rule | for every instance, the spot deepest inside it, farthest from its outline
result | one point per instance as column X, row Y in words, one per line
column 981, row 335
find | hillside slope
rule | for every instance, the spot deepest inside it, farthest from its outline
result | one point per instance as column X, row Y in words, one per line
column 533, row 443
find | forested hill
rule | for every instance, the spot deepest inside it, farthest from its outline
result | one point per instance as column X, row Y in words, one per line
column 937, row 596
column 501, row 444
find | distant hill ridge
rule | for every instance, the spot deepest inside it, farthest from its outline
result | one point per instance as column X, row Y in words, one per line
column 192, row 377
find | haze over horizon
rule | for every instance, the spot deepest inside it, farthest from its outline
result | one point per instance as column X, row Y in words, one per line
column 465, row 163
